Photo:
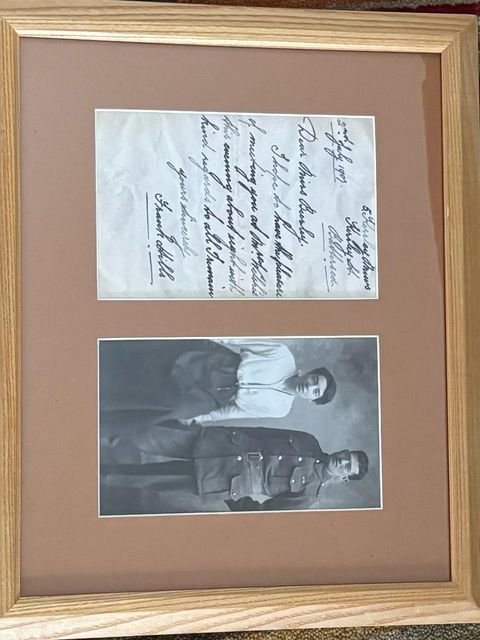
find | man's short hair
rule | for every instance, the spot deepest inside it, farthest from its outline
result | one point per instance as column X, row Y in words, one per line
column 331, row 387
column 362, row 465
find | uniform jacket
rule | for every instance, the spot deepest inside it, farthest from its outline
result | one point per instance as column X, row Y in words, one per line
column 259, row 468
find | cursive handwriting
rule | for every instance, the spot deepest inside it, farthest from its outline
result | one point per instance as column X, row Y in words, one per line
column 250, row 201
column 252, row 123
column 229, row 128
column 352, row 230
column 368, row 226
column 307, row 136
column 307, row 133
column 336, row 254
column 203, row 166
column 205, row 126
column 259, row 270
column 226, row 182
column 340, row 151
column 236, row 266
column 214, row 246
column 358, row 247
column 249, row 181
column 281, row 259
column 368, row 230
column 185, row 217
column 165, row 257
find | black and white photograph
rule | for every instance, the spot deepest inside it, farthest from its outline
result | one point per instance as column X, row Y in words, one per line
column 244, row 424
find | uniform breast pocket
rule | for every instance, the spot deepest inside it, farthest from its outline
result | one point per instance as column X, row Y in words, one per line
column 240, row 487
column 294, row 443
column 298, row 480
column 235, row 437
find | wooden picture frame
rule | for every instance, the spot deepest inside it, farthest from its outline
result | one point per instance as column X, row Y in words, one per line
column 454, row 37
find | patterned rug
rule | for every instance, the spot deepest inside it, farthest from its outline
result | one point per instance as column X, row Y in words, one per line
column 428, row 6
column 440, row 632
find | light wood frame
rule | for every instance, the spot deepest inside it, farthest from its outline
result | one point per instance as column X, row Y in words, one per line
column 454, row 37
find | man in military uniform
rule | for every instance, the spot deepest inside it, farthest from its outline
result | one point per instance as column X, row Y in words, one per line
column 226, row 468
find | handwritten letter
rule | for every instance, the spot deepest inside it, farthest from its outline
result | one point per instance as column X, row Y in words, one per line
column 222, row 205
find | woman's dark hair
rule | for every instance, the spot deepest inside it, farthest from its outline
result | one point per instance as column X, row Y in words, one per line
column 331, row 387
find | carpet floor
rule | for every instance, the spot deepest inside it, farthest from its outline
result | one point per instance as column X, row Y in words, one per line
column 429, row 6
column 425, row 632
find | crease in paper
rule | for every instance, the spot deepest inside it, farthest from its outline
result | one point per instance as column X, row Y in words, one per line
column 223, row 205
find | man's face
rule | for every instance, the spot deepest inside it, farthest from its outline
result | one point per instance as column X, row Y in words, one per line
column 343, row 464
column 311, row 386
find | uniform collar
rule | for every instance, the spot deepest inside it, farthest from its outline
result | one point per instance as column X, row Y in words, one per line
column 321, row 468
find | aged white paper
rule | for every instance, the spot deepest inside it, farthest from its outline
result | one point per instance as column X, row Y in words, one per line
column 223, row 205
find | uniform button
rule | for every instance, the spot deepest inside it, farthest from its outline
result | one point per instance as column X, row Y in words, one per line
column 280, row 457
column 300, row 458
column 239, row 458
